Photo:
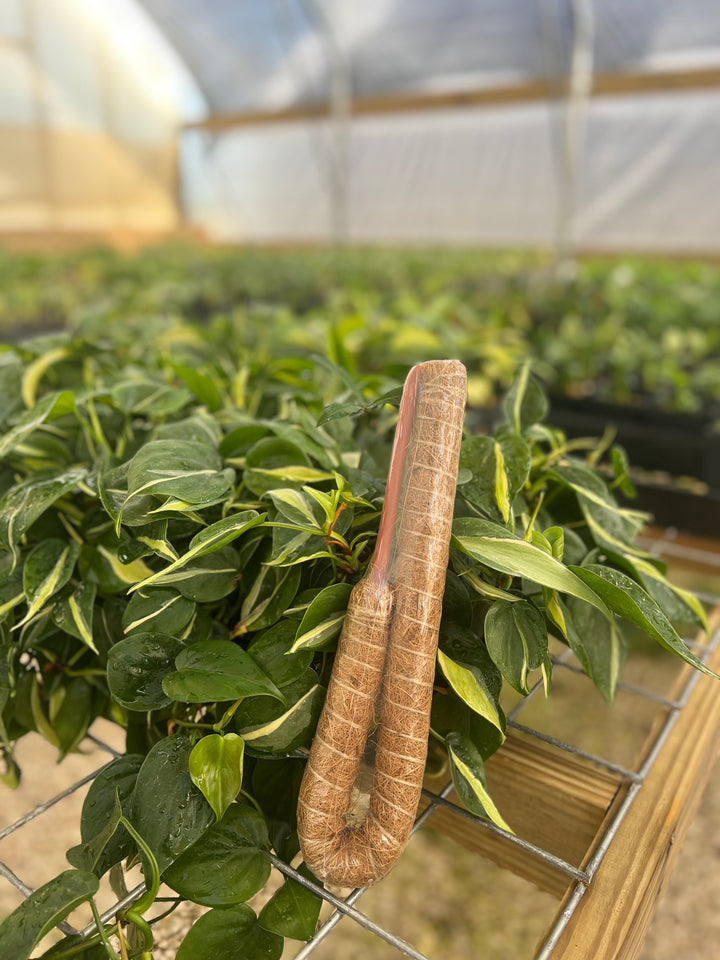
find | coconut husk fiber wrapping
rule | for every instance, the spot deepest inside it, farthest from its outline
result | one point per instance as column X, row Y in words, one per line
column 357, row 806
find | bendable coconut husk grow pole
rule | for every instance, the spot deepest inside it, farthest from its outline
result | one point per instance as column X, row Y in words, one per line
column 363, row 779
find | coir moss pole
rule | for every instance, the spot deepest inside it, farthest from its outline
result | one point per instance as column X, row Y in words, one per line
column 362, row 783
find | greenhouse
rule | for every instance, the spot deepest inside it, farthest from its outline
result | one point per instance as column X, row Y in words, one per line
column 359, row 479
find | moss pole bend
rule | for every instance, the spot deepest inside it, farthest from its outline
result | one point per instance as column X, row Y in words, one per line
column 363, row 780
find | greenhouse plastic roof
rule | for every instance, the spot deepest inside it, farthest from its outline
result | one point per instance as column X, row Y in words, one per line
column 268, row 54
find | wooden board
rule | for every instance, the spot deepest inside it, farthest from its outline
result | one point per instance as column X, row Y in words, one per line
column 549, row 797
column 126, row 241
column 565, row 804
column 613, row 917
column 611, row 84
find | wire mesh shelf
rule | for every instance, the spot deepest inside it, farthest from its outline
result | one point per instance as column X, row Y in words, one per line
column 623, row 783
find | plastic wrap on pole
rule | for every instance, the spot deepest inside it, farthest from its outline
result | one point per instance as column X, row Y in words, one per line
column 362, row 783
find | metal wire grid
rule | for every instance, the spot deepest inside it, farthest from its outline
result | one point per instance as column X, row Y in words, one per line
column 345, row 907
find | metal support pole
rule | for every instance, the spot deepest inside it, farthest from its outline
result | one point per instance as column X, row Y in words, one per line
column 340, row 113
column 580, row 79
column 569, row 106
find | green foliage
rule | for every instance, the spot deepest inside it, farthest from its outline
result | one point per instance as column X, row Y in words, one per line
column 228, row 864
column 216, row 768
column 643, row 331
column 114, row 784
column 293, row 910
column 468, row 774
column 182, row 518
column 516, row 639
column 166, row 807
column 225, row 934
column 43, row 910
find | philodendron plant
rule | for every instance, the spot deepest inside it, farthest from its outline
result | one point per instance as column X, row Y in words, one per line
column 179, row 541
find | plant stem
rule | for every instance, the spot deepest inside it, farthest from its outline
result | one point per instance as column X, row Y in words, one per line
column 176, row 901
column 536, row 510
column 253, row 801
column 135, row 913
column 102, row 932
column 193, row 725
column 226, row 717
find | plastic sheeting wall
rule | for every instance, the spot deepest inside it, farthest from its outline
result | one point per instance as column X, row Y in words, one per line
column 488, row 175
column 650, row 177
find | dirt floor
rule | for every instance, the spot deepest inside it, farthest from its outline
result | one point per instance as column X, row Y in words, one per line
column 464, row 908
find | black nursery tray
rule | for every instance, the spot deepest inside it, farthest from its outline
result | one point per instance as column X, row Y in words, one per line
column 677, row 445
column 681, row 444
column 673, row 506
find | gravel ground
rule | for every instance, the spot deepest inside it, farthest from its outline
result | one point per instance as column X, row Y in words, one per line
column 466, row 907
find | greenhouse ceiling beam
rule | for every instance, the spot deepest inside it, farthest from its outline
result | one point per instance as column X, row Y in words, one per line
column 610, row 84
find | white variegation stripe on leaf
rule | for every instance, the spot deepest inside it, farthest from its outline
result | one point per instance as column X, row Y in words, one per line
column 494, row 546
column 487, row 589
column 167, row 477
column 319, row 635
column 468, row 686
column 46, row 590
column 9, row 604
column 255, row 733
column 685, row 595
column 162, row 548
column 207, row 541
column 478, row 788
column 127, row 572
column 82, row 621
column 501, row 484
column 606, row 538
column 154, row 614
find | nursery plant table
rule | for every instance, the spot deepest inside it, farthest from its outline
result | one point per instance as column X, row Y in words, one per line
column 600, row 821
column 599, row 796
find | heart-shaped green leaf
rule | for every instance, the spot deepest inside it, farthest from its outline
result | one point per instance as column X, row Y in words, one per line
column 200, row 578
column 116, row 781
column 23, row 504
column 597, row 644
column 136, row 669
column 517, row 641
column 271, row 650
column 323, row 619
column 226, row 934
column 268, row 596
column 469, row 683
column 51, row 407
column 157, row 610
column 293, row 910
column 216, row 768
column 209, row 540
column 213, row 670
column 75, row 615
column 525, row 403
column 167, row 809
column 468, row 773
column 229, row 864
column 48, row 568
column 496, row 547
column 268, row 727
column 630, row 601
